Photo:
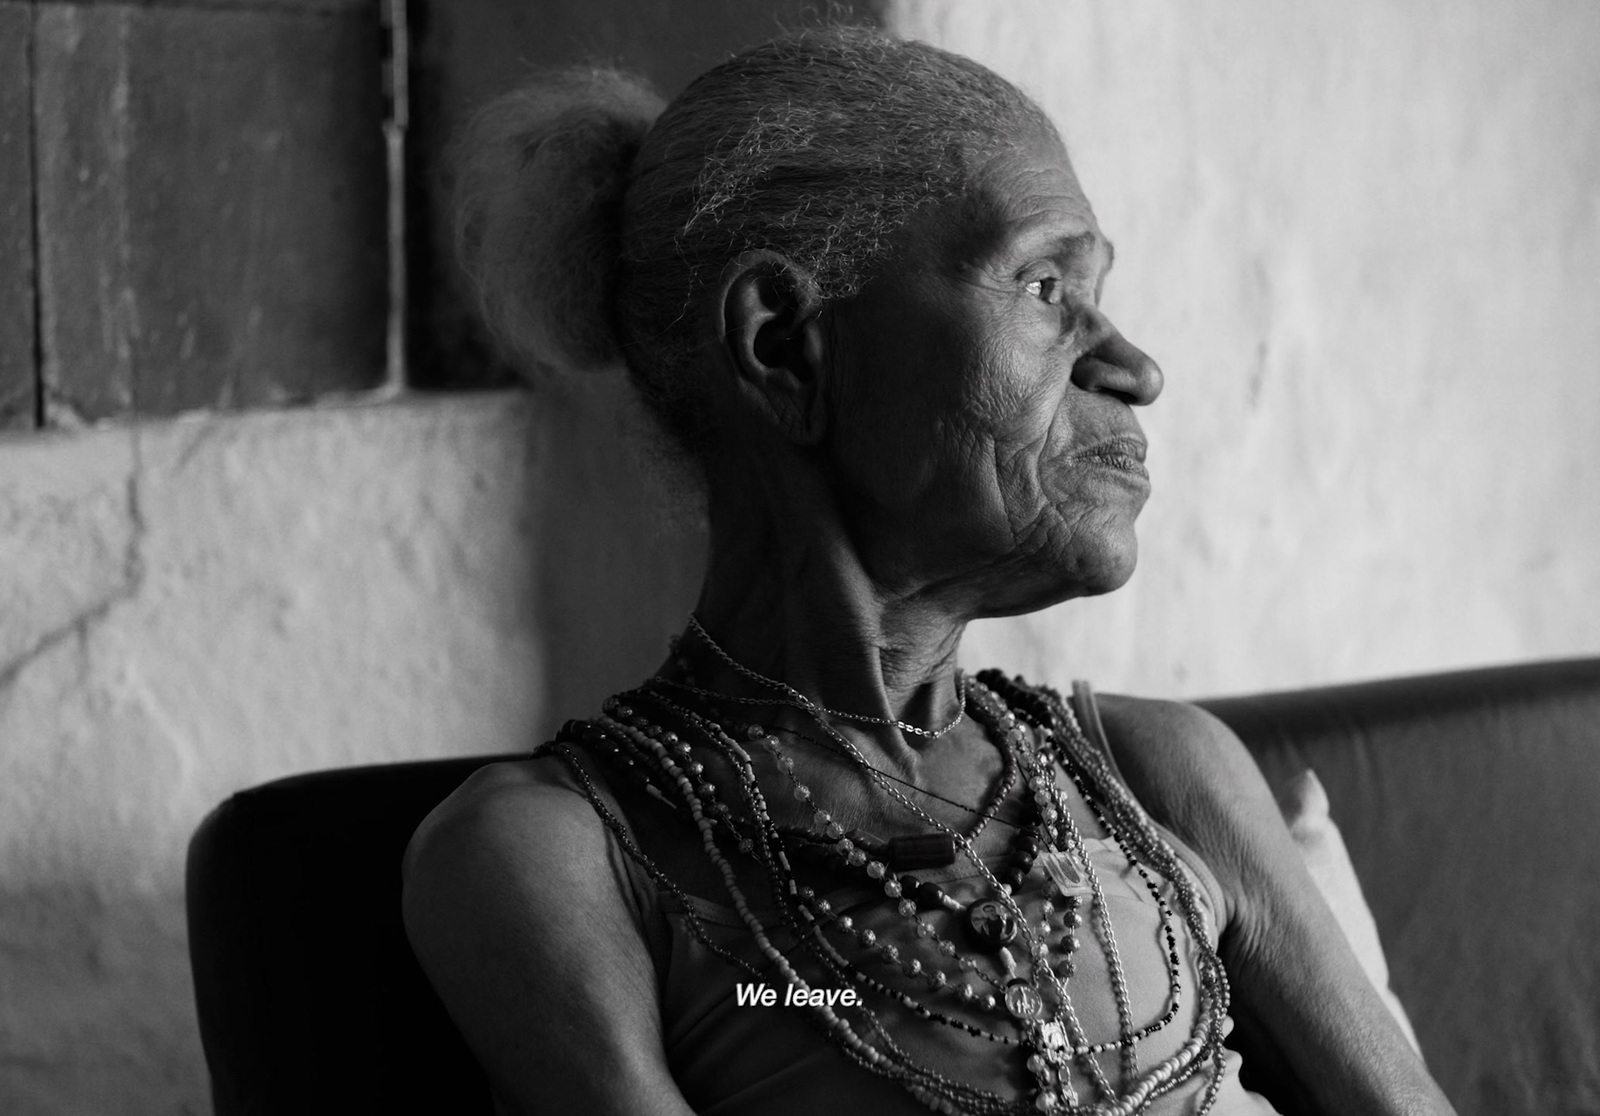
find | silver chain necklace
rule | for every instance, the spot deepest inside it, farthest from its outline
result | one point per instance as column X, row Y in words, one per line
column 796, row 698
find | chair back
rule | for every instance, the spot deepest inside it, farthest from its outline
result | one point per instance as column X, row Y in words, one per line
column 309, row 997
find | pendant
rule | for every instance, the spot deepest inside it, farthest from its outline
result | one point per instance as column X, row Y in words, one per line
column 990, row 924
column 1023, row 1001
column 921, row 850
column 1053, row 1042
column 1062, row 871
column 1046, row 1064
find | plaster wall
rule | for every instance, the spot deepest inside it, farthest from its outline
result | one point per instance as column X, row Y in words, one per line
column 1364, row 240
column 195, row 606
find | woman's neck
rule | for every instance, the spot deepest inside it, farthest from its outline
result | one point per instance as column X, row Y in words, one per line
column 788, row 597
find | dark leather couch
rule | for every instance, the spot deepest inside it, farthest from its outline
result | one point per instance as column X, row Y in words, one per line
column 1470, row 803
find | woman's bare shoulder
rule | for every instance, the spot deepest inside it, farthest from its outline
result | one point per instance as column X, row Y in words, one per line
column 1191, row 772
column 542, row 966
column 517, row 819
column 1179, row 748
column 1291, row 968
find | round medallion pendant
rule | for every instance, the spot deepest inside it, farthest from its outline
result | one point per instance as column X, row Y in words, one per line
column 1023, row 1001
column 990, row 925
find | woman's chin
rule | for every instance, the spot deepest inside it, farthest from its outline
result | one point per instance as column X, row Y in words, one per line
column 1095, row 559
column 1068, row 576
column 1113, row 577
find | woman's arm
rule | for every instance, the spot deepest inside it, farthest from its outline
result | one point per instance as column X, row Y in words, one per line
column 513, row 908
column 1292, row 971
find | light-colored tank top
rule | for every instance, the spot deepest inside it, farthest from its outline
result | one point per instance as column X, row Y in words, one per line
column 733, row 1058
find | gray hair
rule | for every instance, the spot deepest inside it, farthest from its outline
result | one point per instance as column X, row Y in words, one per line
column 593, row 220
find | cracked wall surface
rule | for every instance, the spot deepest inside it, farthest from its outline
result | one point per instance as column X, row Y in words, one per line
column 194, row 606
column 76, row 501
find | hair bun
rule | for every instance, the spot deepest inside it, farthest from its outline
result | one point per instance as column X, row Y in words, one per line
column 542, row 172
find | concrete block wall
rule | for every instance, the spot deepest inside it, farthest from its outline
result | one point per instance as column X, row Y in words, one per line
column 1365, row 242
column 192, row 207
column 17, row 358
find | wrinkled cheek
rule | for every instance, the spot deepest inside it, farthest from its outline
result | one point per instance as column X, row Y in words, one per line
column 997, row 397
column 1030, row 443
column 1024, row 492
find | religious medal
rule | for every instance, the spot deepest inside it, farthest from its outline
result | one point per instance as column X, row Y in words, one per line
column 1047, row 1066
column 1023, row 1000
column 1053, row 1041
column 990, row 924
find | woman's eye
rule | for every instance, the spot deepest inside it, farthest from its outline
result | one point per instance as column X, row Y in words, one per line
column 1047, row 289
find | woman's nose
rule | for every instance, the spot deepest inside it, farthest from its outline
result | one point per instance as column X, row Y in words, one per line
column 1115, row 365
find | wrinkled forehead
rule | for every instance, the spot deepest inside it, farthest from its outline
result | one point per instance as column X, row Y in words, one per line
column 1028, row 170
column 1021, row 187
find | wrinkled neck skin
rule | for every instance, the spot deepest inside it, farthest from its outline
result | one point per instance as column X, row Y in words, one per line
column 788, row 594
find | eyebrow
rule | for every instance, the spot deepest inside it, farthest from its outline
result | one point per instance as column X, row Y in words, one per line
column 1070, row 245
column 1083, row 243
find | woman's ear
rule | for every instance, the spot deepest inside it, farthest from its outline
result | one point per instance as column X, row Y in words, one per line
column 768, row 320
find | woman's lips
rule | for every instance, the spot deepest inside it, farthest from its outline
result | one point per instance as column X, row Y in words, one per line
column 1123, row 454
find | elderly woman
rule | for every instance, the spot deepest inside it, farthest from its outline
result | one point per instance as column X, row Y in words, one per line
column 811, row 866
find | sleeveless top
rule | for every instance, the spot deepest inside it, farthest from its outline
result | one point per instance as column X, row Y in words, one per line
column 733, row 1058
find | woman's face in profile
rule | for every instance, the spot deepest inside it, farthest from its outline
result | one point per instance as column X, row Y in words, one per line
column 984, row 417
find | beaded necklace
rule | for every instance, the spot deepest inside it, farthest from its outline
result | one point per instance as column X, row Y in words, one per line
column 1117, row 810
column 996, row 920
column 800, row 701
column 980, row 811
column 900, row 888
column 656, row 740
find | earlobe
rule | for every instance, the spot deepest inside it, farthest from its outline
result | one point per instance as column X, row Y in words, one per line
column 771, row 339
